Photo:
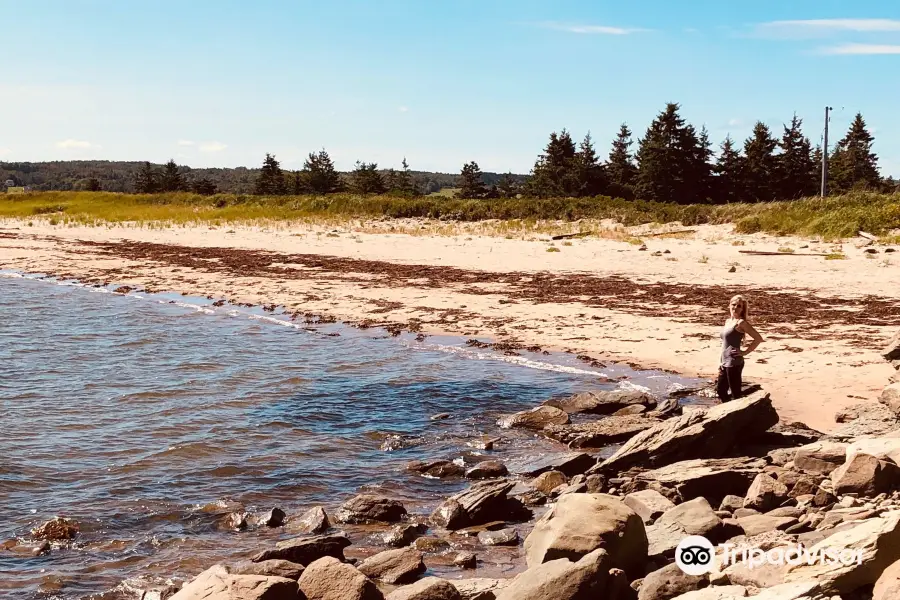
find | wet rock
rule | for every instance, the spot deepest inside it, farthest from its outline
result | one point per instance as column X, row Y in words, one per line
column 648, row 504
column 148, row 588
column 315, row 520
column 481, row 503
column 888, row 585
column 570, row 464
column 330, row 579
column 765, row 493
column 821, row 457
column 271, row 518
column 480, row 588
column 535, row 418
column 546, row 482
column 440, row 416
column 603, row 402
column 368, row 508
column 756, row 524
column 56, row 529
column 597, row 434
column 502, row 537
column 488, row 469
column 670, row 582
column 696, row 434
column 42, row 549
column 695, row 517
column 708, row 478
column 580, row 523
column 306, row 549
column 866, row 475
column 465, row 560
column 561, row 579
column 216, row 583
column 439, row 469
column 484, row 444
column 430, row 588
column 474, row 531
column 431, row 544
column 269, row 568
column 394, row 566
column 404, row 535
column 236, row 521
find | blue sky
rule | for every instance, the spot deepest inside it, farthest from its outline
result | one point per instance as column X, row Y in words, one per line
column 220, row 83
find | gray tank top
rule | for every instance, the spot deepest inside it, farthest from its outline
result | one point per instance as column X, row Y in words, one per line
column 731, row 340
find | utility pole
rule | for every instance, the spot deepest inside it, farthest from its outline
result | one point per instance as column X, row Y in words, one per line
column 828, row 109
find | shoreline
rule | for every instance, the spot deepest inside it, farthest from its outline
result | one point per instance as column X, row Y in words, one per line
column 602, row 298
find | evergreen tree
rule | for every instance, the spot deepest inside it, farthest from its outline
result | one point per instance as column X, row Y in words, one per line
column 506, row 187
column 471, row 184
column 817, row 161
column 760, row 165
column 729, row 166
column 366, row 179
column 146, row 181
column 556, row 171
column 319, row 174
column 401, row 182
column 171, row 179
column 92, row 185
column 853, row 164
column 297, row 185
column 271, row 178
column 203, row 186
column 620, row 168
column 701, row 177
column 796, row 169
column 669, row 160
column 590, row 174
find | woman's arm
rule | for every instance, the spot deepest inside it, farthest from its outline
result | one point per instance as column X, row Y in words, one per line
column 756, row 339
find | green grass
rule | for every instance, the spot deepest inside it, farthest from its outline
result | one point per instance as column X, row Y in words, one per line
column 831, row 218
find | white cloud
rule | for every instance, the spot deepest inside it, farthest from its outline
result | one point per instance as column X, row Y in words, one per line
column 185, row 143
column 862, row 49
column 403, row 109
column 212, row 147
column 71, row 144
column 735, row 123
column 590, row 29
column 820, row 27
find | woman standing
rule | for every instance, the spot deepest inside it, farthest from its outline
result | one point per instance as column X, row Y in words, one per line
column 732, row 363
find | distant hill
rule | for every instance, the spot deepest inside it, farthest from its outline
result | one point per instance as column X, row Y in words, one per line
column 118, row 176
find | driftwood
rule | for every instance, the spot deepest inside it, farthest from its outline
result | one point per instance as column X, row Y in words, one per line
column 661, row 233
column 868, row 236
column 761, row 253
column 566, row 236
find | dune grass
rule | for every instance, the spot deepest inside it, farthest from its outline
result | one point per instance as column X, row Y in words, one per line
column 831, row 218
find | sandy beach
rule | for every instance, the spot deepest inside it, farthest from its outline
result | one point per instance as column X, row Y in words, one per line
column 603, row 297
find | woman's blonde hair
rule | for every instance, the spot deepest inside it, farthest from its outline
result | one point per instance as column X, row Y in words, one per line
column 745, row 314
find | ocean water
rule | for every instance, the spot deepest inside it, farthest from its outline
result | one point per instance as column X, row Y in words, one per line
column 148, row 418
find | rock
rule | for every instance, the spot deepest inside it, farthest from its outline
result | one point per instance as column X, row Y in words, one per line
column 465, row 560
column 888, row 585
column 479, row 589
column 890, row 397
column 570, row 464
column 892, row 350
column 756, row 524
column 745, row 512
column 635, row 409
column 603, row 402
column 42, row 549
column 765, row 493
column 315, row 520
column 874, row 420
column 695, row 517
column 502, row 537
column 269, row 568
column 394, row 566
column 271, row 518
column 885, row 448
column 823, row 498
column 306, row 549
column 804, row 486
column 731, row 503
column 148, row 588
column 488, row 469
column 236, row 521
column 330, row 579
column 597, row 434
column 580, row 523
column 696, row 434
column 535, row 418
column 708, row 478
column 878, row 540
column 440, row 417
column 561, row 579
column 594, row 483
column 56, row 529
column 546, row 482
column 787, row 511
column 648, row 504
column 216, row 583
column 670, row 582
column 483, row 502
column 431, row 544
column 368, row 508
column 430, row 588
column 404, row 535
column 820, row 457
column 866, row 475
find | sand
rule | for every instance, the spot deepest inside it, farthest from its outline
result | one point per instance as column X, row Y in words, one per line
column 824, row 321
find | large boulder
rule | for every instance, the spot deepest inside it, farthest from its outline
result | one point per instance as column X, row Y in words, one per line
column 570, row 464
column 821, row 457
column 892, row 350
column 888, row 585
column 535, row 418
column 603, row 402
column 561, row 579
column 305, row 550
column 548, row 481
column 404, row 534
column 877, row 542
column 695, row 517
column 580, row 523
column 368, row 508
column 479, row 588
column 330, row 579
column 712, row 478
column 865, row 475
column 315, row 520
column 430, row 588
column 883, row 447
column 648, row 504
column 890, row 397
column 765, row 493
column 670, row 582
column 269, row 568
column 394, row 566
column 696, row 434
column 597, row 434
column 217, row 583
column 483, row 502
column 488, row 469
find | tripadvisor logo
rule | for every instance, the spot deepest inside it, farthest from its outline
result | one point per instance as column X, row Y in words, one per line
column 694, row 555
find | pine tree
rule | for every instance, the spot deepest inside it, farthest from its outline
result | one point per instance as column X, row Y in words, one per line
column 620, row 168
column 853, row 164
column 669, row 160
column 171, row 179
column 471, row 184
column 319, row 174
column 145, row 181
column 271, row 178
column 506, row 187
column 729, row 166
column 401, row 182
column 701, row 178
column 817, row 161
column 366, row 179
column 92, row 185
column 796, row 171
column 590, row 174
column 203, row 186
column 556, row 171
column 760, row 165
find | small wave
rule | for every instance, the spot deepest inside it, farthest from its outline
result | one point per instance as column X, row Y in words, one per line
column 521, row 361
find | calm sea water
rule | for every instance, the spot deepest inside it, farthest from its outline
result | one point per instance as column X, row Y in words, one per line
column 146, row 417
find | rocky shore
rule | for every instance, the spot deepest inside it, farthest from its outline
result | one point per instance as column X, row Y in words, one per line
column 608, row 528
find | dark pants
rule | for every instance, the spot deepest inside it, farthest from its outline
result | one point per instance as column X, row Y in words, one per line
column 729, row 378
